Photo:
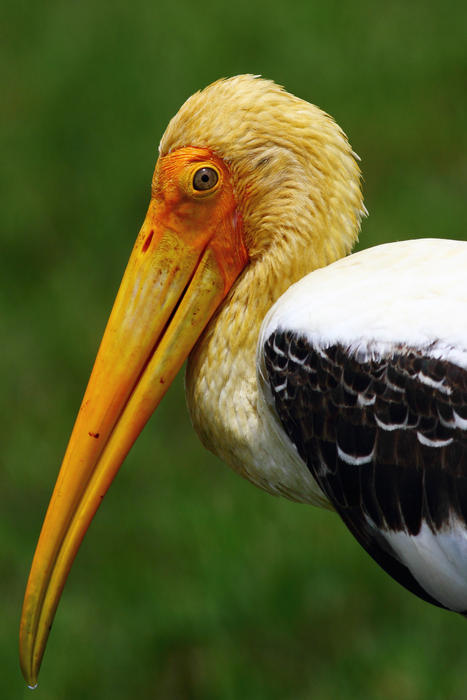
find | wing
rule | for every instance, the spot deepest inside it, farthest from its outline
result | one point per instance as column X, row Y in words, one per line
column 386, row 439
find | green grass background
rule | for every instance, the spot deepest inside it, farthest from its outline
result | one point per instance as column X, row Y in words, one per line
column 192, row 583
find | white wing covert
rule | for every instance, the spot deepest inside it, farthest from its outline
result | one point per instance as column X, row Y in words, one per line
column 378, row 409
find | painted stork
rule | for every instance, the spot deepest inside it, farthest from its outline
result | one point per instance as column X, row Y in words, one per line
column 346, row 389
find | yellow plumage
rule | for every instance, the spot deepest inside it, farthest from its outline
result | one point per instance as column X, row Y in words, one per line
column 298, row 190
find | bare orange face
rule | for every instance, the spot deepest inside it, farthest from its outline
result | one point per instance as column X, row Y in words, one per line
column 187, row 255
column 193, row 185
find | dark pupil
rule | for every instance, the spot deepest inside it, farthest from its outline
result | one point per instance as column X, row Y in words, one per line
column 205, row 179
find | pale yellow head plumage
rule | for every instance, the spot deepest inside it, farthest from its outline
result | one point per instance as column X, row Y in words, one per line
column 289, row 161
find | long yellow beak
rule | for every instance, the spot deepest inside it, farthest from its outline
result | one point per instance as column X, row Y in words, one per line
column 186, row 257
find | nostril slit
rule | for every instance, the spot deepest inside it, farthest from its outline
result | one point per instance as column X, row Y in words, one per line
column 147, row 242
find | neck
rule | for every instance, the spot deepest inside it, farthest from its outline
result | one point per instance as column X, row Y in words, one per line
column 221, row 385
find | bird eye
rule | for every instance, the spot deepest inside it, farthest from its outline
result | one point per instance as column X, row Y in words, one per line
column 205, row 179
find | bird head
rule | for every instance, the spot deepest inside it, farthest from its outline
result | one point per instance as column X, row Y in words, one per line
column 244, row 169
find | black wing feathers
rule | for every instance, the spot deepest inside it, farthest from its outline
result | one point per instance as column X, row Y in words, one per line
column 383, row 438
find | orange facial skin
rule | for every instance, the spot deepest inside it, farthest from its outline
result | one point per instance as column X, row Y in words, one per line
column 186, row 257
column 212, row 215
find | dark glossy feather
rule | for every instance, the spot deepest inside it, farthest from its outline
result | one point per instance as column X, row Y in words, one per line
column 380, row 437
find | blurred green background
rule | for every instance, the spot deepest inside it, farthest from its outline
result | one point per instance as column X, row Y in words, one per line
column 192, row 583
